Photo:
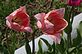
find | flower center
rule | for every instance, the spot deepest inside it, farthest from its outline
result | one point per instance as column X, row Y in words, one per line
column 17, row 20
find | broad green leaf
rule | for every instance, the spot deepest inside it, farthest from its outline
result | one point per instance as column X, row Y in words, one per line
column 55, row 0
column 80, row 28
column 53, row 46
column 41, row 2
column 1, row 48
column 80, row 50
column 77, row 40
column 31, row 0
column 62, row 47
column 47, row 43
column 27, row 46
column 6, row 51
column 40, row 47
column 71, row 49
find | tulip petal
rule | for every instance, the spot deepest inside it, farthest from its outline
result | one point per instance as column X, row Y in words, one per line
column 56, row 37
column 28, row 29
column 49, row 27
column 48, row 24
column 24, row 18
column 39, row 24
column 60, row 24
column 61, row 11
column 39, row 16
column 8, row 23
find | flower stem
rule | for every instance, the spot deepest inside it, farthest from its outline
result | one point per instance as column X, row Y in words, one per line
column 71, row 15
column 33, row 41
column 70, row 28
column 27, row 46
column 33, row 44
column 52, row 1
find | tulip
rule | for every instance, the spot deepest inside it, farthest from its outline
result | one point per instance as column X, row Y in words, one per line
column 74, row 2
column 19, row 20
column 52, row 23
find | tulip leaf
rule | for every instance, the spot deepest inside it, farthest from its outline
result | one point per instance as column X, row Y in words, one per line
column 61, row 47
column 80, row 28
column 5, row 51
column 71, row 49
column 53, row 46
column 31, row 0
column 55, row 0
column 77, row 40
column 27, row 46
column 47, row 43
column 80, row 50
column 1, row 49
column 42, row 2
column 40, row 47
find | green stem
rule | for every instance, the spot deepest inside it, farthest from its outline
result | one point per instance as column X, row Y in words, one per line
column 69, row 28
column 33, row 44
column 51, row 3
column 27, row 46
column 33, row 41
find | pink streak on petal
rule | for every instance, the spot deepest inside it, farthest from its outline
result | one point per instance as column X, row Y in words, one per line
column 61, row 12
column 39, row 24
column 8, row 23
column 48, row 24
column 56, row 38
column 16, row 27
column 39, row 16
column 28, row 29
column 49, row 27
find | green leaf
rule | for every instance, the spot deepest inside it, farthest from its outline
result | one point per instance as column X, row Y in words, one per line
column 53, row 46
column 5, row 51
column 27, row 46
column 80, row 28
column 40, row 47
column 80, row 50
column 42, row 2
column 31, row 0
column 49, row 46
column 77, row 40
column 1, row 48
column 71, row 49
column 55, row 0
column 61, row 47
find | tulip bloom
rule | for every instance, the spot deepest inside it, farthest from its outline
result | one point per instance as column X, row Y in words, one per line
column 19, row 20
column 52, row 23
column 74, row 2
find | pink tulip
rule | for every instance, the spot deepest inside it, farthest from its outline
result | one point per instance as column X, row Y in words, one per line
column 19, row 20
column 52, row 23
column 74, row 2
